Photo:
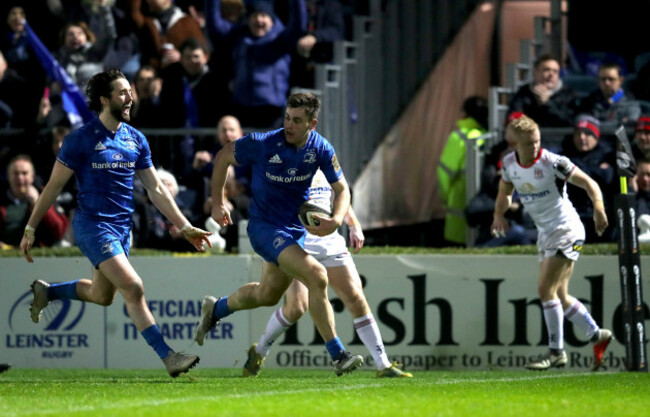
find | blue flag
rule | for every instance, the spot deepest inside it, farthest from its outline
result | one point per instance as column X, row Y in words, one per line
column 74, row 102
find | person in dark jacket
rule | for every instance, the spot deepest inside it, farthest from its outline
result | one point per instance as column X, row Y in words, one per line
column 546, row 99
column 261, row 53
column 610, row 103
column 597, row 159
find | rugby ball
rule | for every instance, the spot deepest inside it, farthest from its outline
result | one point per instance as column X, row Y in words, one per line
column 307, row 211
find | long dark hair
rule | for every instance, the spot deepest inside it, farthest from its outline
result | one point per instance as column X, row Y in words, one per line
column 100, row 86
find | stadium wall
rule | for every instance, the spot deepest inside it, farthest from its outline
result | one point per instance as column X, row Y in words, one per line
column 435, row 312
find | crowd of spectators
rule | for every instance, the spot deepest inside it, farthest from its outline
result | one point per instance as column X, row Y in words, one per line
column 192, row 64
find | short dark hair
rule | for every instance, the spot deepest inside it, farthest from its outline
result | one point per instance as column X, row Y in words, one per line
column 146, row 68
column 308, row 101
column 100, row 86
column 543, row 58
column 609, row 65
column 193, row 44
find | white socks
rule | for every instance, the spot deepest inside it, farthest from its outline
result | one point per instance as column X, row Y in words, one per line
column 553, row 316
column 275, row 327
column 578, row 315
column 365, row 326
column 368, row 332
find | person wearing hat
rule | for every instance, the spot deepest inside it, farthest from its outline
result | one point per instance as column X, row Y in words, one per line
column 641, row 143
column 261, row 49
column 597, row 159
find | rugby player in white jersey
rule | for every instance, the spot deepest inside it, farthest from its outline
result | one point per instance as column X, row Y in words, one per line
column 540, row 177
column 343, row 277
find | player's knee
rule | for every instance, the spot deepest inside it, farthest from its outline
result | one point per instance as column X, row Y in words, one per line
column 317, row 279
column 294, row 311
column 133, row 290
column 105, row 299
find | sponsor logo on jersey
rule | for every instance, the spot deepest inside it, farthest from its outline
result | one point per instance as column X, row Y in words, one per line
column 292, row 171
column 539, row 173
column 278, row 241
column 118, row 156
column 287, row 180
column 113, row 165
column 100, row 147
column 275, row 159
column 310, row 157
column 526, row 188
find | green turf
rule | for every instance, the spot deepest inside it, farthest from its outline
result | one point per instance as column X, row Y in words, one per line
column 222, row 392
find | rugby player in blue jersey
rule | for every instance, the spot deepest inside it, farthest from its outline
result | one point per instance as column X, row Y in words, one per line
column 283, row 163
column 104, row 155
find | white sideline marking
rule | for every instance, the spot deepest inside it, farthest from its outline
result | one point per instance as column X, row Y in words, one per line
column 207, row 398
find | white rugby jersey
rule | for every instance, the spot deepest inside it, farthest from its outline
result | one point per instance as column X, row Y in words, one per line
column 541, row 187
column 333, row 244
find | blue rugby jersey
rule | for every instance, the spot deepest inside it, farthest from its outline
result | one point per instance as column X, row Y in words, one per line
column 282, row 174
column 104, row 165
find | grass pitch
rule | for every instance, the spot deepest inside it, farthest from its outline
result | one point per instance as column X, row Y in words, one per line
column 222, row 392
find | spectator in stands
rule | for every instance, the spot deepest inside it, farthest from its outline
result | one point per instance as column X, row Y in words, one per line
column 261, row 53
column 598, row 160
column 124, row 52
column 81, row 53
column 146, row 89
column 610, row 103
column 641, row 143
column 451, row 168
column 16, row 205
column 480, row 208
column 546, row 99
column 191, row 82
column 237, row 183
column 162, row 34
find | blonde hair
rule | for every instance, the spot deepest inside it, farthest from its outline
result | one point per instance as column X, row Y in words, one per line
column 522, row 126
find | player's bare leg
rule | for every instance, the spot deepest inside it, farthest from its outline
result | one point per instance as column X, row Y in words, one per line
column 267, row 292
column 306, row 269
column 119, row 272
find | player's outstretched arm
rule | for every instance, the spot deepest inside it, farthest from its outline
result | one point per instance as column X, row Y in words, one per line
column 503, row 201
column 222, row 161
column 160, row 197
column 59, row 177
column 584, row 181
